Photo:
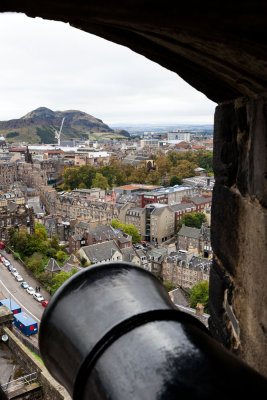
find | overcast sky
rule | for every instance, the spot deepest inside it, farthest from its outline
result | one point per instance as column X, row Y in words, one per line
column 50, row 64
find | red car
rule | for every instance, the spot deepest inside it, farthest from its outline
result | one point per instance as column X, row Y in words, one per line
column 44, row 303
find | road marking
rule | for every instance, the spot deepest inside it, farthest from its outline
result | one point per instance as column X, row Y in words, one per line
column 17, row 301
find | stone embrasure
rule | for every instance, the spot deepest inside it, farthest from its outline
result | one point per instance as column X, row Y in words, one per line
column 238, row 294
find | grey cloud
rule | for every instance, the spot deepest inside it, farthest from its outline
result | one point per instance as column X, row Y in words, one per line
column 48, row 63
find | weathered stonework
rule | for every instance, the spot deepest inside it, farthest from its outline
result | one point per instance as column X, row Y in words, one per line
column 238, row 294
column 52, row 390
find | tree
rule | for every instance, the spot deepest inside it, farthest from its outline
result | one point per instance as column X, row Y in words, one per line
column 184, row 169
column 84, row 262
column 200, row 294
column 61, row 256
column 132, row 231
column 153, row 177
column 169, row 286
column 35, row 263
column 205, row 160
column 175, row 180
column 59, row 279
column 40, row 231
column 18, row 241
column 195, row 220
column 76, row 176
column 51, row 252
column 34, row 245
column 115, row 223
column 71, row 179
column 100, row 181
column 127, row 228
column 54, row 242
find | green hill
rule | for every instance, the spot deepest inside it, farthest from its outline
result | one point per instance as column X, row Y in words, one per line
column 39, row 126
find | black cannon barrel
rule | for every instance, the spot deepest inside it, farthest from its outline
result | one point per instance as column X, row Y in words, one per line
column 112, row 332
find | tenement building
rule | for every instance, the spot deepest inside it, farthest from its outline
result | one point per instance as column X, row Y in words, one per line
column 184, row 272
column 77, row 205
column 17, row 216
column 194, row 237
column 8, row 174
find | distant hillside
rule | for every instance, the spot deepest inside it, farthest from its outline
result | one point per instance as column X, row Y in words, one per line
column 38, row 126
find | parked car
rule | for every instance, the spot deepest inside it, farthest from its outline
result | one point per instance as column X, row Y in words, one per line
column 44, row 303
column 24, row 285
column 6, row 263
column 19, row 278
column 38, row 297
column 30, row 290
column 10, row 267
column 14, row 272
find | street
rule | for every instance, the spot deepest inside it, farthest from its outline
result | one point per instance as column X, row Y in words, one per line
column 10, row 287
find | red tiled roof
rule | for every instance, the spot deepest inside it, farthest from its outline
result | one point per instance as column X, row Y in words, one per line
column 12, row 149
column 131, row 187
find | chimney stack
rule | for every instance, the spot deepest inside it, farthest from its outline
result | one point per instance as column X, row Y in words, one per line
column 199, row 309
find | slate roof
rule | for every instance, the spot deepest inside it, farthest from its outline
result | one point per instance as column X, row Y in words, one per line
column 200, row 264
column 157, row 254
column 189, row 232
column 158, row 211
column 103, row 232
column 82, row 224
column 128, row 253
column 201, row 199
column 101, row 251
column 11, row 206
column 52, row 266
column 181, row 206
column 135, row 211
column 205, row 231
column 70, row 263
column 126, row 198
column 175, row 258
column 77, row 237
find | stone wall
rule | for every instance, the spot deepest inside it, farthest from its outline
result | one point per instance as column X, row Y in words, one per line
column 238, row 292
column 6, row 318
column 52, row 390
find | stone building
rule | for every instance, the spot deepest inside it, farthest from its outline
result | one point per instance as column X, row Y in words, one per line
column 136, row 216
column 159, row 223
column 181, row 209
column 71, row 263
column 201, row 203
column 101, row 252
column 185, row 271
column 155, row 222
column 47, row 172
column 17, row 216
column 99, row 234
column 75, row 205
column 196, row 238
column 72, row 206
column 155, row 257
column 8, row 174
column 170, row 195
column 76, row 242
